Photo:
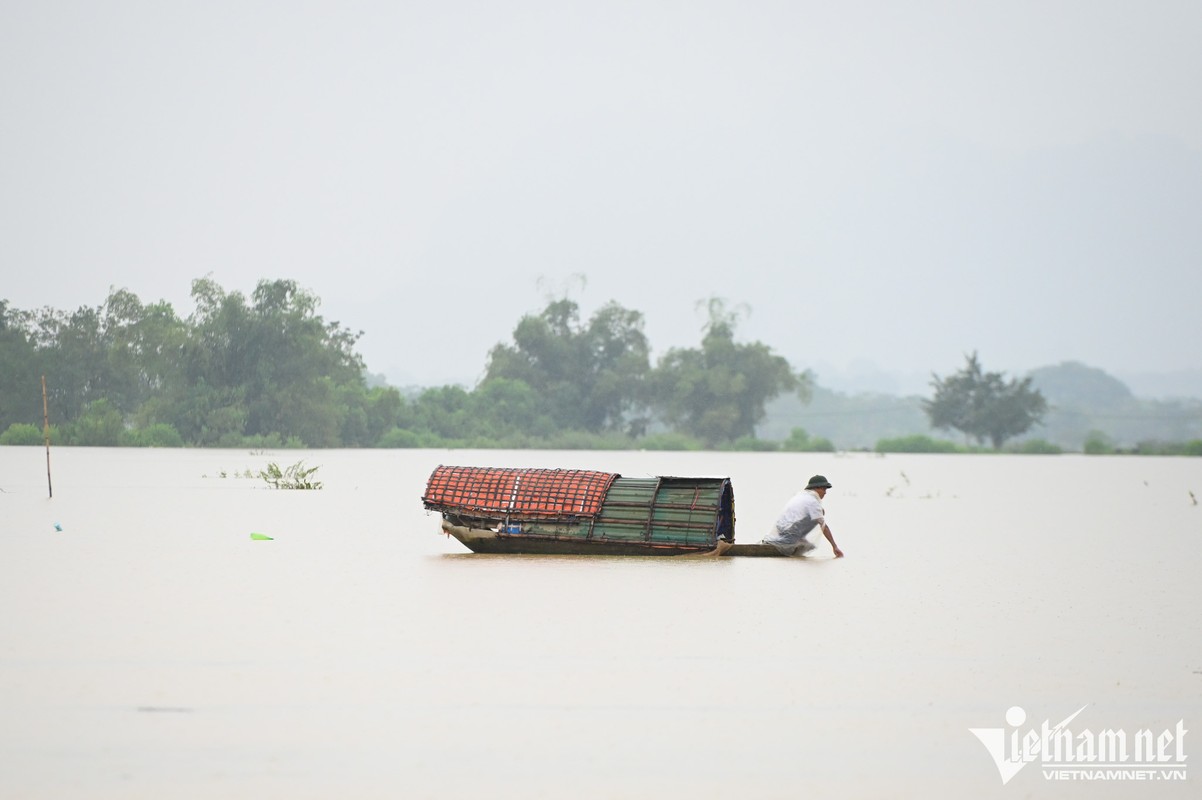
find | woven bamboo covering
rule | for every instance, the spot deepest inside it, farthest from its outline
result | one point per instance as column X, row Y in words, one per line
column 531, row 492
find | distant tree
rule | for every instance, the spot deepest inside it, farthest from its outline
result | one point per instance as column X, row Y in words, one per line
column 100, row 426
column 505, row 407
column 983, row 405
column 144, row 343
column 271, row 365
column 258, row 369
column 584, row 377
column 718, row 392
column 20, row 383
column 444, row 411
column 367, row 415
column 73, row 355
column 122, row 352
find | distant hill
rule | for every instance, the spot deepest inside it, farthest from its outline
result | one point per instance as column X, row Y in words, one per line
column 1081, row 400
column 1074, row 384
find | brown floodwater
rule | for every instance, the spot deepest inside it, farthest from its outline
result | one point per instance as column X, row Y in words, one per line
column 150, row 648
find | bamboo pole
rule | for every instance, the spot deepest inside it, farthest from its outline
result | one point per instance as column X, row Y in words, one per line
column 46, row 433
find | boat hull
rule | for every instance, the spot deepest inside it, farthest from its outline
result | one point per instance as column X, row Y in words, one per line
column 486, row 540
column 758, row 550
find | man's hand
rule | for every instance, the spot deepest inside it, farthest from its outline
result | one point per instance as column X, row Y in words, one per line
column 830, row 537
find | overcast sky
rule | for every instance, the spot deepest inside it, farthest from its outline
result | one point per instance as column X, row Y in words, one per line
column 877, row 183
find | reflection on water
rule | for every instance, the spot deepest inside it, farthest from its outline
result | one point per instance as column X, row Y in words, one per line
column 150, row 648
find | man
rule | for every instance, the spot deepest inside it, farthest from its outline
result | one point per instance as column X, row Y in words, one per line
column 801, row 515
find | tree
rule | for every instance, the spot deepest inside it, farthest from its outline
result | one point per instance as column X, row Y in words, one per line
column 504, row 407
column 270, row 366
column 20, row 384
column 718, row 392
column 122, row 352
column 73, row 355
column 444, row 411
column 99, row 426
column 367, row 416
column 144, row 343
column 273, row 365
column 585, row 377
column 983, row 405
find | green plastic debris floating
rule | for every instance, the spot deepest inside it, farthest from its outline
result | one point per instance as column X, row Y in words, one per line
column 580, row 512
column 260, row 537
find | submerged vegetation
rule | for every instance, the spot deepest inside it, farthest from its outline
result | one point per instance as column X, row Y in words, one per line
column 269, row 372
column 296, row 476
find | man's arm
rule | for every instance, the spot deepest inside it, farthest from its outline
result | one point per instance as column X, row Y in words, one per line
column 826, row 531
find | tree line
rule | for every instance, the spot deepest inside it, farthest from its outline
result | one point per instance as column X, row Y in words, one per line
column 269, row 370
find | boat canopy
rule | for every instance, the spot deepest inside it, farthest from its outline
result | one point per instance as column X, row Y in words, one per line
column 585, row 506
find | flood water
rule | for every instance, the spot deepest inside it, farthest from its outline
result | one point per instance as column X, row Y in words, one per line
column 150, row 648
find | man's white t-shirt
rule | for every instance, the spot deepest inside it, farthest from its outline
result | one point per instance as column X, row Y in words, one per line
column 801, row 515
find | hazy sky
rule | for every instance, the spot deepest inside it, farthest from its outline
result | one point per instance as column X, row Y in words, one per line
column 885, row 183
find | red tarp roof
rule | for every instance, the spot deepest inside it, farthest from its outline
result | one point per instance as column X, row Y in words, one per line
column 541, row 492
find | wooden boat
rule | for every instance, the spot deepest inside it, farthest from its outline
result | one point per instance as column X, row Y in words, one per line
column 582, row 512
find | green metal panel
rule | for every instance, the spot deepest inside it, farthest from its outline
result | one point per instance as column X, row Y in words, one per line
column 625, row 513
column 662, row 510
column 685, row 511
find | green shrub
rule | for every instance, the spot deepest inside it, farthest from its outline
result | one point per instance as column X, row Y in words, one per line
column 100, row 426
column 583, row 440
column 1153, row 448
column 399, row 438
column 230, row 440
column 1037, row 447
column 800, row 441
column 263, row 441
column 1098, row 444
column 158, row 435
column 668, row 441
column 919, row 443
column 752, row 444
column 21, row 433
